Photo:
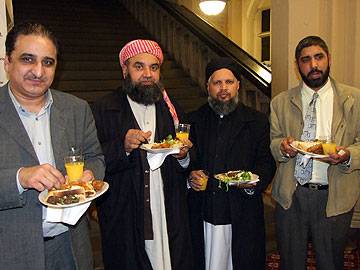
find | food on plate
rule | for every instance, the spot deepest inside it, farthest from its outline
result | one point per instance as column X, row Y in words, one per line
column 315, row 147
column 97, row 184
column 237, row 177
column 66, row 196
column 73, row 192
column 240, row 176
column 169, row 142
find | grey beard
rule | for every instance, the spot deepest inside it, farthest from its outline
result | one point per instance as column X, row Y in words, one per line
column 223, row 107
column 143, row 94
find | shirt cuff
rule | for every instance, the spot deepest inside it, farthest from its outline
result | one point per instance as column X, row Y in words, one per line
column 185, row 161
column 19, row 186
column 347, row 164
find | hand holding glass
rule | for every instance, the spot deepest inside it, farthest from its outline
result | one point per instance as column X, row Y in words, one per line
column 204, row 179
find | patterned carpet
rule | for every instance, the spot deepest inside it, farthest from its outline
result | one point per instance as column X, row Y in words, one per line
column 351, row 260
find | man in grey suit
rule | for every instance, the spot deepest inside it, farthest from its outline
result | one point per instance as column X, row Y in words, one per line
column 315, row 198
column 37, row 128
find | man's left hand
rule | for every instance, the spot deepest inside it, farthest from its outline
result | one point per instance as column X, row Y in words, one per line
column 187, row 144
column 342, row 155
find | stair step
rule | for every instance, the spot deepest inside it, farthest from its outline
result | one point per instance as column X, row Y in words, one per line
column 98, row 82
column 90, row 34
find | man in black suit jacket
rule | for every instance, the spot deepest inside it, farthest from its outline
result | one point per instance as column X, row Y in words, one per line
column 227, row 223
column 143, row 218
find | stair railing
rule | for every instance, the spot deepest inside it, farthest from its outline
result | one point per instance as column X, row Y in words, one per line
column 193, row 44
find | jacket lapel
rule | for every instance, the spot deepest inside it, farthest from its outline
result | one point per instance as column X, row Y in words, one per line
column 57, row 130
column 11, row 122
column 295, row 99
column 341, row 108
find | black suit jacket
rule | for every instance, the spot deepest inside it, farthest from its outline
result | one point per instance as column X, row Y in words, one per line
column 121, row 210
column 246, row 148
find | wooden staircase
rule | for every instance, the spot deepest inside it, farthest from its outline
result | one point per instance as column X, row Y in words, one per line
column 90, row 34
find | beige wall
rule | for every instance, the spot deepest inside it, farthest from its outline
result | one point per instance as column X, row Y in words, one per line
column 220, row 22
column 239, row 21
column 336, row 21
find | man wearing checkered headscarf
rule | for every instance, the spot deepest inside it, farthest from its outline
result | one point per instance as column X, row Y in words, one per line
column 143, row 217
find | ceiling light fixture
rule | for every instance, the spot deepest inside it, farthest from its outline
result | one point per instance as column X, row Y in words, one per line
column 212, row 7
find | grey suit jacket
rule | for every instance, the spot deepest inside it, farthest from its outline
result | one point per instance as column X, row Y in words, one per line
column 287, row 120
column 21, row 237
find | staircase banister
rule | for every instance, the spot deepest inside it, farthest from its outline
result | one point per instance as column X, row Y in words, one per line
column 252, row 69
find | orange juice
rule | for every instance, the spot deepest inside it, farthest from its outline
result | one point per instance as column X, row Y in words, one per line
column 182, row 135
column 329, row 148
column 203, row 182
column 74, row 170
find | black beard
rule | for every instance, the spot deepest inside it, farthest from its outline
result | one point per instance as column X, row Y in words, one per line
column 223, row 107
column 316, row 83
column 143, row 94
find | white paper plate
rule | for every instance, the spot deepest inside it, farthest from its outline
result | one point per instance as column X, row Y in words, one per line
column 43, row 194
column 147, row 148
column 294, row 145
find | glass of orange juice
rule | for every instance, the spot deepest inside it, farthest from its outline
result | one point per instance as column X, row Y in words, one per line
column 182, row 131
column 74, row 165
column 328, row 144
column 204, row 179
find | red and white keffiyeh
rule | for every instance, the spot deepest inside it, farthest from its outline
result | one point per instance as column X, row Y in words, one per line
column 139, row 46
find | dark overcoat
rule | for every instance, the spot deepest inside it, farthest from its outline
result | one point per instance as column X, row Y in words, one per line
column 121, row 210
column 247, row 148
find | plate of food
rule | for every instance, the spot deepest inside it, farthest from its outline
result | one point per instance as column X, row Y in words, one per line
column 233, row 178
column 166, row 145
column 312, row 149
column 73, row 194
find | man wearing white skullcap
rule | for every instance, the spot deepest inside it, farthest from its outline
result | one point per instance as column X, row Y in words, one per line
column 143, row 218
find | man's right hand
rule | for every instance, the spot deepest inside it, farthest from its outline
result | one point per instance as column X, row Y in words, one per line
column 286, row 149
column 40, row 177
column 134, row 138
column 195, row 180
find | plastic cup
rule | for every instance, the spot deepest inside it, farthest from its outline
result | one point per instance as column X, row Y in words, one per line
column 329, row 147
column 328, row 144
column 74, row 166
column 204, row 179
column 182, row 131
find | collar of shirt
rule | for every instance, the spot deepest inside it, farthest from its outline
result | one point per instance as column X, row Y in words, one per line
column 22, row 111
column 307, row 93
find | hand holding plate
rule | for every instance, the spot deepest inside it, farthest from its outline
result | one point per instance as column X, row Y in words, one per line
column 286, row 148
column 187, row 144
column 342, row 155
